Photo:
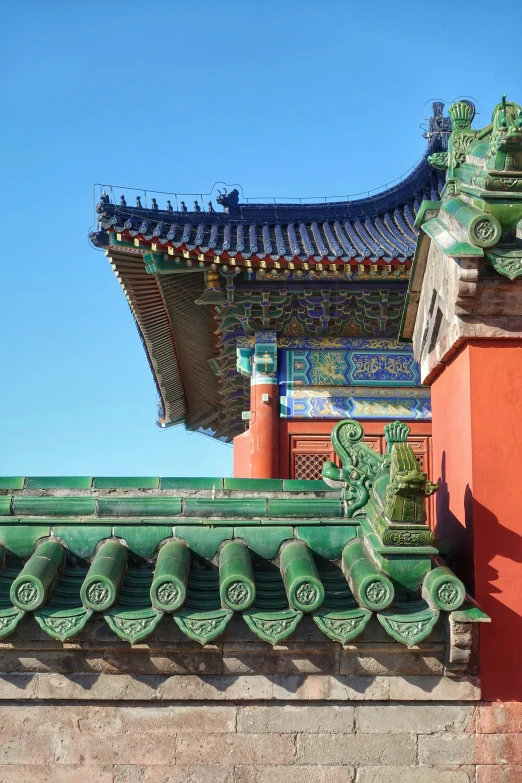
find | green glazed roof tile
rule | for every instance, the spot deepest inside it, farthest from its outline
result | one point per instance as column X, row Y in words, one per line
column 62, row 623
column 60, row 520
column 328, row 542
column 53, row 506
column 272, row 627
column 216, row 522
column 4, row 520
column 170, row 482
column 132, row 625
column 342, row 626
column 265, row 541
column 203, row 541
column 153, row 506
column 225, row 507
column 21, row 540
column 254, row 485
column 289, row 520
column 470, row 614
column 133, row 617
column 337, row 521
column 82, row 541
column 161, row 521
column 12, row 482
column 5, row 505
column 125, row 482
column 202, row 627
column 58, row 482
column 143, row 540
column 302, row 485
column 304, row 507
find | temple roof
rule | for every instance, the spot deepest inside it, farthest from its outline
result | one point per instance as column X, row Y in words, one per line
column 377, row 227
column 198, row 280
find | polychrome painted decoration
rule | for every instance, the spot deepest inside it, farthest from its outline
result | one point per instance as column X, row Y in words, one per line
column 341, row 404
column 360, row 367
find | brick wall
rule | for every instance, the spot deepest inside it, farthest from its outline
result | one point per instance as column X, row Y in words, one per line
column 212, row 742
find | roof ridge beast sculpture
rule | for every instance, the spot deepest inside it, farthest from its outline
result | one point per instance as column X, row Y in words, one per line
column 393, row 561
column 480, row 212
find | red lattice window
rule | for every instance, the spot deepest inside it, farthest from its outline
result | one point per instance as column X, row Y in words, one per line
column 309, row 466
column 307, row 456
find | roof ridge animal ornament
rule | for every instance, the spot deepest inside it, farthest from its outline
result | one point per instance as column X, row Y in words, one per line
column 482, row 200
column 230, row 201
column 405, row 495
column 360, row 463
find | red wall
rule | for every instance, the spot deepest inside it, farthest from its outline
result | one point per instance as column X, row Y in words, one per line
column 477, row 451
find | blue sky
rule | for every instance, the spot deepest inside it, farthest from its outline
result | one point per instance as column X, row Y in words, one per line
column 285, row 97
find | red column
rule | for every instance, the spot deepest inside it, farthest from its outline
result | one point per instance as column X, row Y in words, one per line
column 262, row 437
column 264, row 429
column 477, row 451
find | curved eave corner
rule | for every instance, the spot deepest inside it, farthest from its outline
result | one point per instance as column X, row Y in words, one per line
column 146, row 303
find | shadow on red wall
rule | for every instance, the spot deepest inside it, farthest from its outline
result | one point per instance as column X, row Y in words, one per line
column 475, row 544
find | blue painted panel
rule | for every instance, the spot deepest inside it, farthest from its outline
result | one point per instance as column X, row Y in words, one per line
column 405, row 408
column 362, row 367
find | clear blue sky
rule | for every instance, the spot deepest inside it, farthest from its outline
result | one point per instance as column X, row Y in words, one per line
column 286, row 97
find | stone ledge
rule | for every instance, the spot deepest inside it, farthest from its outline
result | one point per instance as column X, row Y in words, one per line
column 239, row 688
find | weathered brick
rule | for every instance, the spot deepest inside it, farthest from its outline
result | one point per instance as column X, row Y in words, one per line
column 42, row 718
column 165, row 719
column 398, row 662
column 55, row 774
column 499, row 774
column 230, row 749
column 102, row 749
column 282, row 662
column 88, row 687
column 499, row 749
column 231, row 688
column 26, row 748
column 316, row 687
column 410, row 775
column 392, row 749
column 470, row 749
column 447, row 749
column 17, row 686
column 412, row 718
column 173, row 774
column 289, row 718
column 433, row 689
column 499, row 718
column 294, row 774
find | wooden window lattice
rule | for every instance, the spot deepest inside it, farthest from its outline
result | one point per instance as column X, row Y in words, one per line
column 309, row 466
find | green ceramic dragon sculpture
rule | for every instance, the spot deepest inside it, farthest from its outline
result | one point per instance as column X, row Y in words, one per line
column 480, row 212
column 360, row 463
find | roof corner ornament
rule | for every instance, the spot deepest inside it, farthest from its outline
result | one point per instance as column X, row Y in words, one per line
column 229, row 201
column 482, row 199
column 439, row 127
